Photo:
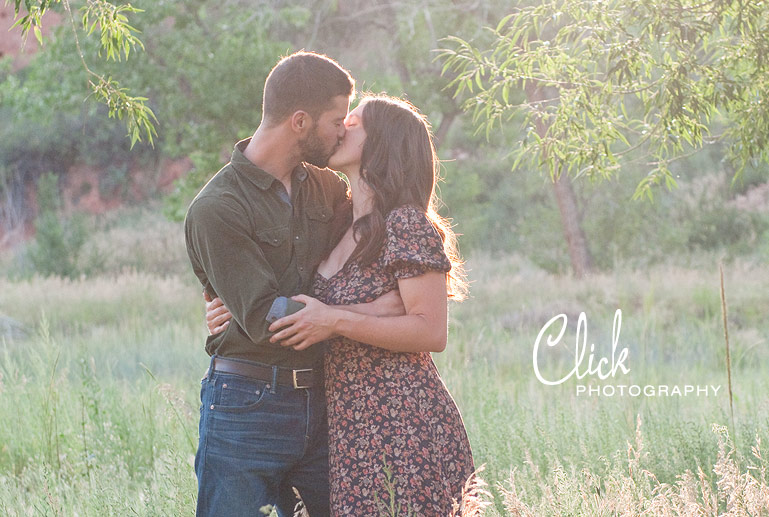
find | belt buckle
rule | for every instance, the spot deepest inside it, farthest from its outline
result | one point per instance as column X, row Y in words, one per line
column 296, row 383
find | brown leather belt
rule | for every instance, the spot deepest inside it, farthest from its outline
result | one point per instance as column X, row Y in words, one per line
column 286, row 377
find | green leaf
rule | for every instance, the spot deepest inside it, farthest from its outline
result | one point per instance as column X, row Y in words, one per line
column 21, row 22
column 38, row 35
column 503, row 22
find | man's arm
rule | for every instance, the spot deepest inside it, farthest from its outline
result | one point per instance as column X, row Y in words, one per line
column 230, row 263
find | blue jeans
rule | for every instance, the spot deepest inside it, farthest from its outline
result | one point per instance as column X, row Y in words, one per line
column 257, row 442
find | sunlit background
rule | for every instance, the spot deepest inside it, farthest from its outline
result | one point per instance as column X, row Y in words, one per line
column 655, row 117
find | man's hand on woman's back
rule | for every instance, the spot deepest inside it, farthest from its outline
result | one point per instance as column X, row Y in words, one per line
column 217, row 315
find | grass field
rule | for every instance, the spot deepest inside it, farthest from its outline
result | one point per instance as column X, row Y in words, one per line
column 99, row 393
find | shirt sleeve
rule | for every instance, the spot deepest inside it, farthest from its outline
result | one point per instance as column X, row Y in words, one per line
column 413, row 245
column 230, row 264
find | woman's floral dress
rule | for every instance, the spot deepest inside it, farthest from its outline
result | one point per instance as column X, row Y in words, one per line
column 393, row 426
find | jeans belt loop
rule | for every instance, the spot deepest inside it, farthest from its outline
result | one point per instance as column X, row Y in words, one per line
column 274, row 379
column 210, row 370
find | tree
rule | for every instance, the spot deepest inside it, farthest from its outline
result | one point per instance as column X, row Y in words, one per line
column 201, row 69
column 116, row 37
column 618, row 81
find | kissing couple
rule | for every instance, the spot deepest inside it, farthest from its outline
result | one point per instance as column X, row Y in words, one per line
column 326, row 299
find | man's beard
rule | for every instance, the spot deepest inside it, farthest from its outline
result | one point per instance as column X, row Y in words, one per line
column 313, row 151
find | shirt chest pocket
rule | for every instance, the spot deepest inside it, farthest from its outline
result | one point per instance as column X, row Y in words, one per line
column 276, row 247
column 319, row 214
column 319, row 226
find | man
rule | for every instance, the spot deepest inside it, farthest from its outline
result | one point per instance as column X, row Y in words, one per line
column 255, row 233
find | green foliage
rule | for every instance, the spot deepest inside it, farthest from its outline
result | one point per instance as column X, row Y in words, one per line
column 117, row 38
column 611, row 82
column 387, row 504
column 33, row 18
column 138, row 117
column 501, row 211
column 35, row 141
column 185, row 188
column 203, row 67
column 58, row 242
column 204, row 78
column 712, row 221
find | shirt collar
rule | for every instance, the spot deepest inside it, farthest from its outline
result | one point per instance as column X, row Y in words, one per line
column 257, row 176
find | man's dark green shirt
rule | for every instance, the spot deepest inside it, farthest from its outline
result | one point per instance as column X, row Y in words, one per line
column 249, row 243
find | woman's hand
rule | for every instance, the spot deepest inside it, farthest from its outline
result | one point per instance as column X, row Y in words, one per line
column 217, row 315
column 306, row 327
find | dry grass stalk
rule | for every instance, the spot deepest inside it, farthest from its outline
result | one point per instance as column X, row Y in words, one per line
column 630, row 489
column 728, row 354
column 299, row 510
column 474, row 501
column 512, row 501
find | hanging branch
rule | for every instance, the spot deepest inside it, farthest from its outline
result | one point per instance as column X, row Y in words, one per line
column 117, row 38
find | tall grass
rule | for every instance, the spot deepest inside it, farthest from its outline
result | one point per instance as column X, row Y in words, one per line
column 80, row 440
column 98, row 399
column 630, row 488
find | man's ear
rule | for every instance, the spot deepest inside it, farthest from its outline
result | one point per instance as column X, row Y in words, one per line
column 301, row 121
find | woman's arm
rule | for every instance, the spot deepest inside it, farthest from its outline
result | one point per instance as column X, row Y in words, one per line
column 422, row 329
column 389, row 304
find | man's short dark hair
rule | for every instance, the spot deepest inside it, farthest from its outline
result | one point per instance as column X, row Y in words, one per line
column 304, row 81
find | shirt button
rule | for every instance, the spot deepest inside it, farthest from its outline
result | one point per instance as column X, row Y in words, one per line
column 275, row 241
column 301, row 268
column 297, row 237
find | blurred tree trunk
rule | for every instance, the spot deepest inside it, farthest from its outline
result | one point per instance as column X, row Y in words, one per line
column 579, row 252
column 443, row 128
column 581, row 259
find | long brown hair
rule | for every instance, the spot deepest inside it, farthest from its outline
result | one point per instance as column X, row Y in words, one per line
column 400, row 166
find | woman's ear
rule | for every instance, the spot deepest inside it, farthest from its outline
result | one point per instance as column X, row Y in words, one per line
column 301, row 121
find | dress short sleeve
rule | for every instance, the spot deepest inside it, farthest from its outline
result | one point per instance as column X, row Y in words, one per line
column 413, row 245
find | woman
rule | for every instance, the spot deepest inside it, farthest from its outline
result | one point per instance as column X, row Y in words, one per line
column 396, row 438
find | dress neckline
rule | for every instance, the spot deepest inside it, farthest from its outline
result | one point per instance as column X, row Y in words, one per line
column 329, row 278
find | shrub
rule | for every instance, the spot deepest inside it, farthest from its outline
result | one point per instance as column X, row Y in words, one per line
column 58, row 242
